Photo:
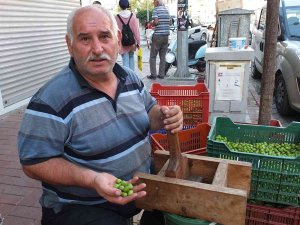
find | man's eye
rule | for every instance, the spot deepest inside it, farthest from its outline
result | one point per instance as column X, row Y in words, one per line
column 85, row 39
column 105, row 36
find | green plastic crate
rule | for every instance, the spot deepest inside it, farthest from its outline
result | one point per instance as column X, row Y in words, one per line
column 274, row 179
column 173, row 219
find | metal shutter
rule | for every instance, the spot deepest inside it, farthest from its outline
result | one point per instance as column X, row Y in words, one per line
column 32, row 45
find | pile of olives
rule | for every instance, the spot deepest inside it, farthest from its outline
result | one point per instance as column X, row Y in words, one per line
column 124, row 186
column 263, row 148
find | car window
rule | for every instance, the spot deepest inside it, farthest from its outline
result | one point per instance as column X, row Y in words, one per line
column 292, row 18
column 262, row 19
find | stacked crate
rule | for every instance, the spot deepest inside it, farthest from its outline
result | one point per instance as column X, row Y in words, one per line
column 275, row 180
column 194, row 103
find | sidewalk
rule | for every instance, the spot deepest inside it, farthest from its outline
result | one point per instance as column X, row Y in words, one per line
column 19, row 194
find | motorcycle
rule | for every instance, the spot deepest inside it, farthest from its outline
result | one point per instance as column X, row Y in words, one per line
column 196, row 54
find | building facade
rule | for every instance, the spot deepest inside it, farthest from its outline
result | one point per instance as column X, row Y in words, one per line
column 32, row 47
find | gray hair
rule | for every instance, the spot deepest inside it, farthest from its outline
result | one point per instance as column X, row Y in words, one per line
column 160, row 2
column 104, row 10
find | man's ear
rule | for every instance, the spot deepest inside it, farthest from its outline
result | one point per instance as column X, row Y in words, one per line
column 69, row 44
column 119, row 38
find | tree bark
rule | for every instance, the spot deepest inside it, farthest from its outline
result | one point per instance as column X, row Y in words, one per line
column 269, row 64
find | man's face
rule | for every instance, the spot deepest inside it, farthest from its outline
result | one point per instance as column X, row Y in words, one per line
column 95, row 47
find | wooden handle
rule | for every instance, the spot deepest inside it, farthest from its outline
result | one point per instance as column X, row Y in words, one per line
column 177, row 167
column 174, row 145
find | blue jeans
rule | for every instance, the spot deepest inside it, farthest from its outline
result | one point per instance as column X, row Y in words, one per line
column 128, row 60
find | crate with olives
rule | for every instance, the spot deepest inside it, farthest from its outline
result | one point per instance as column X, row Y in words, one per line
column 273, row 151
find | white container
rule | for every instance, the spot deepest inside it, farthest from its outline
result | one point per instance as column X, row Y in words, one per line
column 237, row 43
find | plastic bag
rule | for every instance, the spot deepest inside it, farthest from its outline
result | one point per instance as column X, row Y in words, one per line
column 140, row 58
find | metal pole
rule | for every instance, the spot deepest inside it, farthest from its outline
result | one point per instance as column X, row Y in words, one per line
column 147, row 11
column 182, row 40
column 182, row 55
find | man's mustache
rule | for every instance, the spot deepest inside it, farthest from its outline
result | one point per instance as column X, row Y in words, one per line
column 102, row 56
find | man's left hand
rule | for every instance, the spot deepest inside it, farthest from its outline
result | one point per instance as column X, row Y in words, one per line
column 172, row 118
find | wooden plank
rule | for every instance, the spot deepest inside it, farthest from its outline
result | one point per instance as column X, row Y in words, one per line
column 239, row 176
column 223, row 205
column 220, row 178
column 162, row 172
column 160, row 157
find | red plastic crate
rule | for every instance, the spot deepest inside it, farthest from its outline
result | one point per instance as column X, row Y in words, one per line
column 264, row 215
column 193, row 100
column 275, row 123
column 192, row 141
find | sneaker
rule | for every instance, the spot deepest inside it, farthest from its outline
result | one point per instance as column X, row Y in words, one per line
column 151, row 77
column 161, row 77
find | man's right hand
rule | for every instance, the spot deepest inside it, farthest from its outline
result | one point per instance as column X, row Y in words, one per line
column 103, row 183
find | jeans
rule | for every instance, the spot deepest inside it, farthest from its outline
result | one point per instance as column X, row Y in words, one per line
column 159, row 45
column 128, row 60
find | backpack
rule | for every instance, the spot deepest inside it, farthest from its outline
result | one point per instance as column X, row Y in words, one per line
column 127, row 34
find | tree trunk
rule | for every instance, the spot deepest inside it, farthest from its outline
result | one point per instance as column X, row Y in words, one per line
column 269, row 67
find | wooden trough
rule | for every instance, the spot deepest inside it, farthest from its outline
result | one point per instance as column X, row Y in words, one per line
column 221, row 196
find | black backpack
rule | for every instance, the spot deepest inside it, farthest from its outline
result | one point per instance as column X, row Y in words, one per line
column 127, row 34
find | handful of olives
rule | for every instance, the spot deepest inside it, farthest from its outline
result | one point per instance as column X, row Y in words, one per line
column 124, row 186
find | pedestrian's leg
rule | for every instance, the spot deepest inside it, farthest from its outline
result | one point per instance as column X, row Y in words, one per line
column 83, row 215
column 131, row 60
column 162, row 56
column 153, row 54
column 125, row 59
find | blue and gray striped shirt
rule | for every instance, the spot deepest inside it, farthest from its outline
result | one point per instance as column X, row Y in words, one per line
column 163, row 26
column 70, row 119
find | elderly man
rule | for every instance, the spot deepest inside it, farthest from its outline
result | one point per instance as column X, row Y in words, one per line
column 161, row 21
column 88, row 126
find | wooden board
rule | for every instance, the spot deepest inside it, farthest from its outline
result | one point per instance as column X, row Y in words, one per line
column 222, row 198
column 238, row 174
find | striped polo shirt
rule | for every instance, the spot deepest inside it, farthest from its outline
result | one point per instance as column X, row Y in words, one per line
column 70, row 119
column 163, row 26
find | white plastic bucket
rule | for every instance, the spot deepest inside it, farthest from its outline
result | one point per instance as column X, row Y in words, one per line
column 237, row 43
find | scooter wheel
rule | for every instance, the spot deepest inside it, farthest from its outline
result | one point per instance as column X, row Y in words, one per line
column 200, row 66
column 167, row 67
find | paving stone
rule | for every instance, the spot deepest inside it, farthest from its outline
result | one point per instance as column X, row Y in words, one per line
column 5, row 209
column 10, row 199
column 12, row 220
column 26, row 212
column 15, row 190
column 32, row 199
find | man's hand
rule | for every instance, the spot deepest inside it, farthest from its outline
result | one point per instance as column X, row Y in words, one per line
column 172, row 118
column 104, row 184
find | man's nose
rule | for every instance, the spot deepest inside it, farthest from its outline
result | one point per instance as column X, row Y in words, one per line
column 97, row 47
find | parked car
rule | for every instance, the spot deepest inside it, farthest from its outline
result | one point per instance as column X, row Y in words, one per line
column 201, row 36
column 287, row 77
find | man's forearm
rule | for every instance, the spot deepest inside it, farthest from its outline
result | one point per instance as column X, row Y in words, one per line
column 58, row 171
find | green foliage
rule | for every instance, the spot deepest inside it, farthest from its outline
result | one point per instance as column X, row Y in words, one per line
column 142, row 15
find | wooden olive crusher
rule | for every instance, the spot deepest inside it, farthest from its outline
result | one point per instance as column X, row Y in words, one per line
column 221, row 196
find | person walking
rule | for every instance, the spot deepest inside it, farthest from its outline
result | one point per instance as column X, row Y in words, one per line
column 127, row 52
column 67, row 138
column 161, row 21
